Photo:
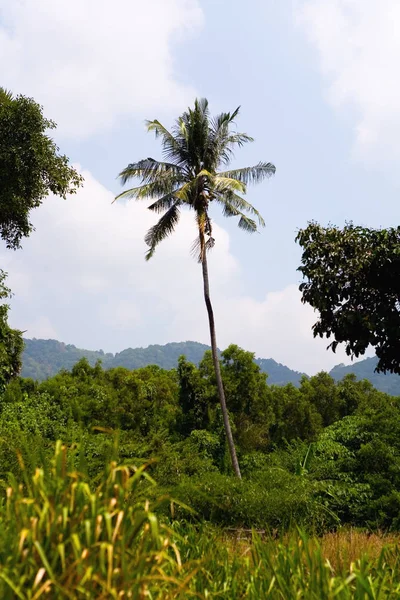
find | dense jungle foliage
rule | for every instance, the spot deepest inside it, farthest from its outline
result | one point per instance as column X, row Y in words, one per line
column 320, row 455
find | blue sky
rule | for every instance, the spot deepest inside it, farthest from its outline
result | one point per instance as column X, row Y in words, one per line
column 316, row 80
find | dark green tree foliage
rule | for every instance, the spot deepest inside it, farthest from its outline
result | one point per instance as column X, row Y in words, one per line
column 45, row 358
column 353, row 280
column 322, row 393
column 295, row 417
column 260, row 414
column 245, row 384
column 11, row 343
column 357, row 463
column 192, row 398
column 247, row 390
column 30, row 166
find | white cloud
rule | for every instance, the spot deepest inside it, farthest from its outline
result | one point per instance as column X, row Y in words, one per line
column 358, row 45
column 90, row 62
column 82, row 279
column 279, row 327
column 41, row 328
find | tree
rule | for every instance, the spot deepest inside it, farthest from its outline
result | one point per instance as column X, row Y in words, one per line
column 30, row 166
column 190, row 175
column 11, row 343
column 322, row 392
column 193, row 398
column 295, row 417
column 245, row 383
column 353, row 280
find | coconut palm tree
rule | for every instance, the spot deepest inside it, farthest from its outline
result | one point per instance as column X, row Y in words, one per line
column 193, row 174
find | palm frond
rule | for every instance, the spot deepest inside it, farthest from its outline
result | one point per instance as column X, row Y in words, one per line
column 186, row 192
column 160, row 131
column 148, row 170
column 164, row 203
column 238, row 139
column 172, row 148
column 5, row 95
column 223, row 120
column 195, row 249
column 201, row 106
column 229, row 210
column 162, row 186
column 223, row 140
column 240, row 204
column 216, row 182
column 249, row 175
column 183, row 129
column 228, row 184
column 162, row 229
column 199, row 129
column 247, row 224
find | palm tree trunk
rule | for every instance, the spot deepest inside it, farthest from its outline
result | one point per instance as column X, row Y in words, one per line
column 217, row 367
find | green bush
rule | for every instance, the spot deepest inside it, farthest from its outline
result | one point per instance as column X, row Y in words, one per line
column 274, row 499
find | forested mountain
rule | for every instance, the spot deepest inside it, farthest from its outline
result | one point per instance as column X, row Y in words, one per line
column 365, row 369
column 44, row 358
column 279, row 374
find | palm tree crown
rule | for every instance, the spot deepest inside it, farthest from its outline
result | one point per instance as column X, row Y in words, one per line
column 192, row 174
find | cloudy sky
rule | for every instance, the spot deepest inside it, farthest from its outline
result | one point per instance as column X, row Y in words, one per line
column 318, row 86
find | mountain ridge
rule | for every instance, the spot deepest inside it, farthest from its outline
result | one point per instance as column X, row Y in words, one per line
column 44, row 358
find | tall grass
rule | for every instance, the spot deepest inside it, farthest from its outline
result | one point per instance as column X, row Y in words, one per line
column 291, row 568
column 60, row 537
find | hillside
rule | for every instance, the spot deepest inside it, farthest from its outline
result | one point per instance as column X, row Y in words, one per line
column 365, row 369
column 279, row 374
column 44, row 358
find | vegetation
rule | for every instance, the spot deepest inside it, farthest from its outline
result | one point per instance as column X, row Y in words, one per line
column 321, row 455
column 88, row 520
column 352, row 279
column 11, row 343
column 140, row 500
column 108, row 542
column 30, row 166
column 45, row 358
column 196, row 150
column 366, row 369
column 64, row 537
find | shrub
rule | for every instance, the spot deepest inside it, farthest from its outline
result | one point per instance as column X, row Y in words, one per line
column 274, row 499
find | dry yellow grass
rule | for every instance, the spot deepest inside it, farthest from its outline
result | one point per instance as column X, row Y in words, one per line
column 340, row 548
column 343, row 547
